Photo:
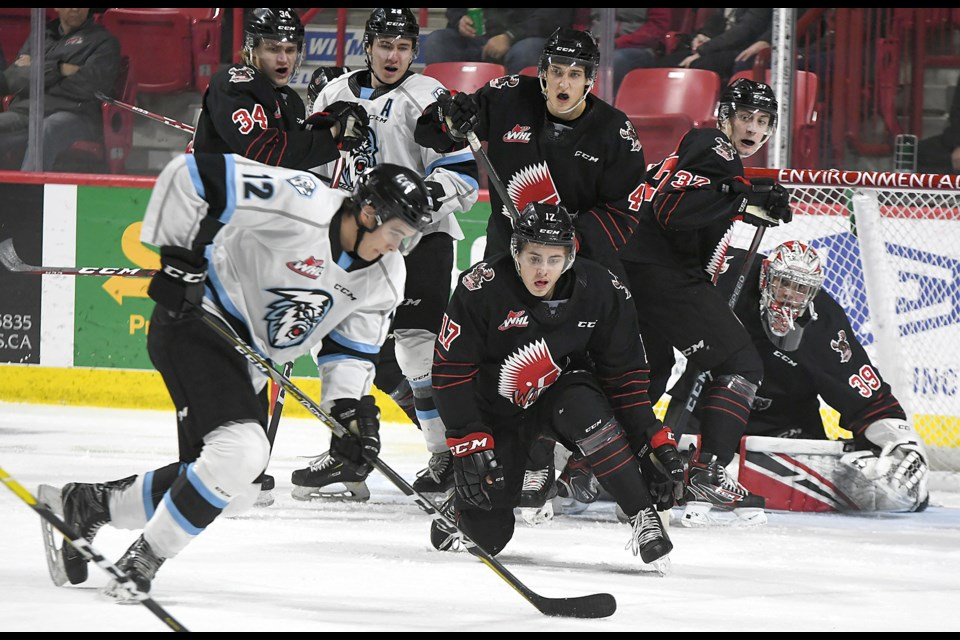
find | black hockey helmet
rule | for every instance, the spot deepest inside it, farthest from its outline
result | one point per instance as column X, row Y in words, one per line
column 744, row 93
column 398, row 23
column 396, row 192
column 571, row 46
column 548, row 224
column 320, row 78
column 282, row 25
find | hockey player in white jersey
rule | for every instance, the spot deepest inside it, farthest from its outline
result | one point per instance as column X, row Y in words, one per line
column 289, row 266
column 394, row 98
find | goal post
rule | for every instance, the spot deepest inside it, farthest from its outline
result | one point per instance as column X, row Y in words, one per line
column 891, row 248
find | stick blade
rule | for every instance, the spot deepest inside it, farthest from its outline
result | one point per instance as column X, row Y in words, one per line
column 9, row 257
column 596, row 605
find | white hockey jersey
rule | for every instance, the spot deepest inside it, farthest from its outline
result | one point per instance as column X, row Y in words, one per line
column 393, row 118
column 274, row 264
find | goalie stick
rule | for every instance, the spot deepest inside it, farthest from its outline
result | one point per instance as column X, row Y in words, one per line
column 89, row 552
column 596, row 605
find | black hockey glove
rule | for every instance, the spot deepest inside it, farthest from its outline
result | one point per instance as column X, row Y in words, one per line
column 321, row 76
column 662, row 468
column 178, row 286
column 475, row 469
column 436, row 192
column 362, row 419
column 765, row 203
column 458, row 114
column 352, row 120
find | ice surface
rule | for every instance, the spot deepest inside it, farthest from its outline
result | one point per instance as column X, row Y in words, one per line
column 299, row 566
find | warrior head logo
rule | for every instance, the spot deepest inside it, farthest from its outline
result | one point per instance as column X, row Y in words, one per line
column 533, row 183
column 629, row 133
column 725, row 149
column 240, row 74
column 842, row 346
column 477, row 276
column 295, row 315
column 527, row 373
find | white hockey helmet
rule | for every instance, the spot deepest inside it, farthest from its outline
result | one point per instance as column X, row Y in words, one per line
column 790, row 278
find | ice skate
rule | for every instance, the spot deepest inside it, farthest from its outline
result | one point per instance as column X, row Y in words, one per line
column 265, row 497
column 438, row 476
column 140, row 563
column 443, row 537
column 536, row 497
column 327, row 478
column 650, row 541
column 716, row 499
column 577, row 487
column 86, row 508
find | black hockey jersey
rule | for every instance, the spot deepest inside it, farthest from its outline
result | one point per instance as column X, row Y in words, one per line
column 499, row 347
column 685, row 218
column 595, row 169
column 244, row 113
column 830, row 362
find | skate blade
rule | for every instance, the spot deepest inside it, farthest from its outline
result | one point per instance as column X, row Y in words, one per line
column 662, row 566
column 264, row 499
column 116, row 593
column 535, row 516
column 350, row 492
column 568, row 506
column 704, row 514
column 50, row 497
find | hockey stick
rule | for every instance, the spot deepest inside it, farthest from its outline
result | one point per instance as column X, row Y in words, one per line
column 597, row 605
column 678, row 418
column 90, row 553
column 484, row 159
column 170, row 122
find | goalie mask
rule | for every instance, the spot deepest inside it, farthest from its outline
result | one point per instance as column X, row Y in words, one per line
column 790, row 278
column 547, row 224
column 744, row 98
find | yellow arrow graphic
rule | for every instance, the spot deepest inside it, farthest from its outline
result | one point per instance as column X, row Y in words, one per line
column 141, row 256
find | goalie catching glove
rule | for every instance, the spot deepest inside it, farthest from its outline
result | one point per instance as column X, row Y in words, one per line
column 351, row 120
column 475, row 469
column 662, row 468
column 763, row 201
column 178, row 285
column 458, row 113
column 892, row 454
column 361, row 418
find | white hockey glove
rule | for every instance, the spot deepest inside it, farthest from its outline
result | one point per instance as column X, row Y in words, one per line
column 896, row 462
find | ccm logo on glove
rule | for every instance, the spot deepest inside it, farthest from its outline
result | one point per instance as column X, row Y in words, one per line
column 470, row 443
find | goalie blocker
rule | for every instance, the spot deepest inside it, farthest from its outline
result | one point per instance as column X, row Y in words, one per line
column 830, row 476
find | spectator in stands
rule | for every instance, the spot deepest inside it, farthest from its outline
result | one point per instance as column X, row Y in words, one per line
column 511, row 37
column 639, row 38
column 723, row 36
column 941, row 153
column 80, row 59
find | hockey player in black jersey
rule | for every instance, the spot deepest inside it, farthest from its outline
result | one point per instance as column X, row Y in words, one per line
column 287, row 265
column 810, row 351
column 693, row 197
column 249, row 108
column 541, row 341
column 551, row 140
column 395, row 96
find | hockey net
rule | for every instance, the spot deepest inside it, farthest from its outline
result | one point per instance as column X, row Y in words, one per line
column 891, row 246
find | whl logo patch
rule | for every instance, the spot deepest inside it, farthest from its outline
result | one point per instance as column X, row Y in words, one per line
column 515, row 319
column 311, row 267
column 519, row 133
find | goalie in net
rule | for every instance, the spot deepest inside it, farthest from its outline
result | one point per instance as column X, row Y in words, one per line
column 809, row 352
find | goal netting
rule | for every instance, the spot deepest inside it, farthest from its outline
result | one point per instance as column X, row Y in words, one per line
column 891, row 244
